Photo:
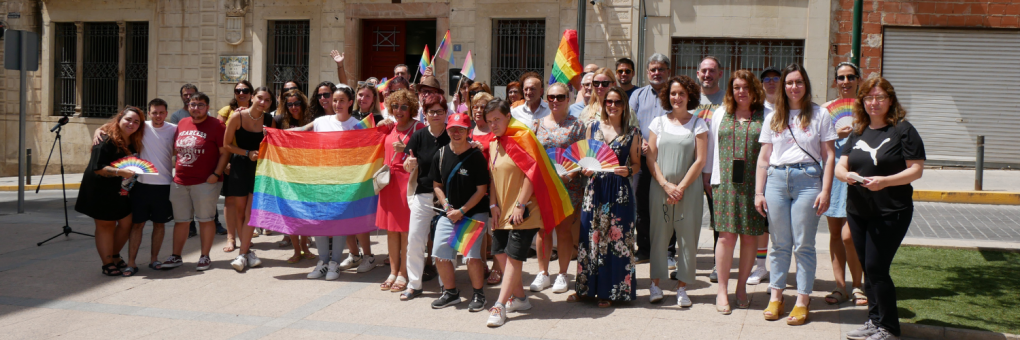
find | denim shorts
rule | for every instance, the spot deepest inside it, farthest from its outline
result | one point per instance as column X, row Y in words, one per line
column 442, row 250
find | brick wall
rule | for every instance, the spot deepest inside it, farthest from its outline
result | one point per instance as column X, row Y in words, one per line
column 942, row 13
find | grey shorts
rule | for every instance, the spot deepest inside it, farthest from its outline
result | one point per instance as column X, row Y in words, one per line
column 444, row 228
column 196, row 202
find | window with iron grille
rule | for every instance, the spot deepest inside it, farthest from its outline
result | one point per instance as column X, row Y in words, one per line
column 87, row 81
column 518, row 46
column 753, row 55
column 288, row 54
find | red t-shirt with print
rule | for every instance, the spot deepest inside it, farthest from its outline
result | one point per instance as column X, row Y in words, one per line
column 198, row 149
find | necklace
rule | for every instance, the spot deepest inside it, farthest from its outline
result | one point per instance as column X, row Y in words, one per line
column 253, row 118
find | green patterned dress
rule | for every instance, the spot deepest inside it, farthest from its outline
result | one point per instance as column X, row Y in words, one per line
column 734, row 203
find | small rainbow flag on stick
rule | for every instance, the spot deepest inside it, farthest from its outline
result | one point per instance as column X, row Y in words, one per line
column 383, row 85
column 468, row 70
column 425, row 61
column 445, row 48
column 367, row 123
column 567, row 67
column 465, row 234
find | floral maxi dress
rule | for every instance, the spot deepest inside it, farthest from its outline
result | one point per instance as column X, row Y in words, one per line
column 605, row 261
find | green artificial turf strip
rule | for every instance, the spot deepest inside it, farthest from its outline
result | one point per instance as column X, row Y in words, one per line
column 958, row 288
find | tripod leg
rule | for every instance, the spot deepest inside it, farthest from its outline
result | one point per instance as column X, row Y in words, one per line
column 84, row 234
column 54, row 236
column 41, row 176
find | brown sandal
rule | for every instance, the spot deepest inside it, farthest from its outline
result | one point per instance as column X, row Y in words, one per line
column 399, row 285
column 605, row 303
column 231, row 245
column 388, row 284
column 859, row 298
column 495, row 277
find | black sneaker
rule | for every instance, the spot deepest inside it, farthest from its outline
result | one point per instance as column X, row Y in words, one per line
column 477, row 303
column 448, row 299
column 192, row 231
column 220, row 230
column 429, row 273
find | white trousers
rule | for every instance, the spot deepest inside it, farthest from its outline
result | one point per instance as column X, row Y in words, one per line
column 418, row 237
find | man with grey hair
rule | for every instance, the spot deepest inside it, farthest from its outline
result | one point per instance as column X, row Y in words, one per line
column 646, row 106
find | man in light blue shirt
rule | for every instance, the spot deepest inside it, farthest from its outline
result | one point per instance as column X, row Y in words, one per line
column 585, row 93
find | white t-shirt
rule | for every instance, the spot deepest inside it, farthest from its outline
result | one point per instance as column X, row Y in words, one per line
column 329, row 124
column 524, row 115
column 785, row 149
column 157, row 147
column 662, row 124
column 769, row 107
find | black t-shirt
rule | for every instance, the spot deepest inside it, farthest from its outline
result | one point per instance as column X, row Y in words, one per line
column 361, row 115
column 291, row 121
column 464, row 184
column 882, row 152
column 425, row 146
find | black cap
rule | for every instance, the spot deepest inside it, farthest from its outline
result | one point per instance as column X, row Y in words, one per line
column 767, row 70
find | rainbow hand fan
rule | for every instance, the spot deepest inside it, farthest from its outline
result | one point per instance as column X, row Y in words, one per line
column 562, row 164
column 135, row 164
column 593, row 155
column 842, row 112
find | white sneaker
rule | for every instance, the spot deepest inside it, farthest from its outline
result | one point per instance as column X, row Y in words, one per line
column 681, row 297
column 560, row 286
column 516, row 305
column 497, row 316
column 671, row 263
column 541, row 282
column 318, row 272
column 759, row 275
column 239, row 262
column 350, row 262
column 367, row 263
column 332, row 271
column 654, row 294
column 253, row 261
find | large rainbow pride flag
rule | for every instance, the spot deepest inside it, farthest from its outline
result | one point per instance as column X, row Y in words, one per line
column 317, row 183
column 524, row 149
column 566, row 66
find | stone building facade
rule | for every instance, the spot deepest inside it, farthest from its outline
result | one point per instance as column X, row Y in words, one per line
column 163, row 44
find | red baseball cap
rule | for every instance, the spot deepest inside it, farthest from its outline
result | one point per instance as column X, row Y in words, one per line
column 458, row 120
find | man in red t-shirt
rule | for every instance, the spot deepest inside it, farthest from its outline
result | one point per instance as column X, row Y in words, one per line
column 198, row 175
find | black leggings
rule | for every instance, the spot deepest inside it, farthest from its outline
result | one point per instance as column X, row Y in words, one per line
column 876, row 239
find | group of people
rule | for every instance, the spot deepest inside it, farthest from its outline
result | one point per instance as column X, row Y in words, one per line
column 769, row 161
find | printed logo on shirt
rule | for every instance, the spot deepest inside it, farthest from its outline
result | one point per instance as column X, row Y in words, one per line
column 462, row 172
column 863, row 146
column 190, row 145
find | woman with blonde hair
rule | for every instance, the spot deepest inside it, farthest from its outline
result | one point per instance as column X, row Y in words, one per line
column 602, row 80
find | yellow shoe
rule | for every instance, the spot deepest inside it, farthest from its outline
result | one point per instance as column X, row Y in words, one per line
column 798, row 316
column 774, row 310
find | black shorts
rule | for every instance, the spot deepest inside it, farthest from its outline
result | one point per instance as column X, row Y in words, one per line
column 151, row 203
column 514, row 243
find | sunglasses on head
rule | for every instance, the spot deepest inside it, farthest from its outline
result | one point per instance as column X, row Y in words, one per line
column 556, row 97
column 604, row 83
column 624, row 71
column 243, row 90
column 848, row 77
column 471, row 94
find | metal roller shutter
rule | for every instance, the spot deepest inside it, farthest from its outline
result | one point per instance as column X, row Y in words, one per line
column 956, row 85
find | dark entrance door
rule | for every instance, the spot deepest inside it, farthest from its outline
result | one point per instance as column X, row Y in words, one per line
column 386, row 43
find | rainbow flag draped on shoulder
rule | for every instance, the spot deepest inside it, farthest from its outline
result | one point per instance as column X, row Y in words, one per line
column 524, row 149
column 317, row 183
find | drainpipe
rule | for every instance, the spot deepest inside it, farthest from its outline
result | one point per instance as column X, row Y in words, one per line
column 640, row 62
column 582, row 13
column 855, row 48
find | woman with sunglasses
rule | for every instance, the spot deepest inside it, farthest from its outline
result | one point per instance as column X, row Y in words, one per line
column 559, row 130
column 293, row 112
column 602, row 80
column 797, row 142
column 394, row 214
column 677, row 151
column 605, row 260
column 244, row 133
column 841, row 243
column 243, row 92
column 735, row 129
column 320, row 104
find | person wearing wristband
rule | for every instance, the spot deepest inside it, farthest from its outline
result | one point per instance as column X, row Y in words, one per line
column 460, row 179
column 102, row 197
column 677, row 152
column 559, row 130
column 198, row 177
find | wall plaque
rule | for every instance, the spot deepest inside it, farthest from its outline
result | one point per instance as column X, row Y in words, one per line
column 233, row 68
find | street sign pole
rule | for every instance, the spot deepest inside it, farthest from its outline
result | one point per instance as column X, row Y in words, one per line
column 22, row 107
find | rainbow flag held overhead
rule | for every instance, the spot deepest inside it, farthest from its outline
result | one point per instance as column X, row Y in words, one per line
column 468, row 70
column 317, row 183
column 528, row 154
column 425, row 60
column 566, row 67
column 445, row 49
column 383, row 84
column 465, row 233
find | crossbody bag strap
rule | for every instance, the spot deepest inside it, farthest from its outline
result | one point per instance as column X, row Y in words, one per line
column 798, row 145
column 449, row 177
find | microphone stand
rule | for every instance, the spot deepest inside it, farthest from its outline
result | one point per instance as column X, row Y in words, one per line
column 63, row 187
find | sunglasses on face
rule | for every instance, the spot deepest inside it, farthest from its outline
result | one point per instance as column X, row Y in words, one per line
column 556, row 97
column 243, row 90
column 848, row 77
column 401, row 107
column 321, row 95
column 774, row 79
column 624, row 71
column 295, row 104
column 611, row 102
column 604, row 83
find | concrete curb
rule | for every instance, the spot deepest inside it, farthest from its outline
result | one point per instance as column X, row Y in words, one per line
column 971, row 197
column 70, row 186
column 939, row 333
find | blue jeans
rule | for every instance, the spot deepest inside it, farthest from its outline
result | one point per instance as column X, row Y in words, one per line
column 790, row 192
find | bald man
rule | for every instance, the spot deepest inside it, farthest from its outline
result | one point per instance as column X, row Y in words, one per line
column 591, row 68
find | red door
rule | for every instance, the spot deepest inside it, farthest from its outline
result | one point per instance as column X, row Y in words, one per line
column 382, row 46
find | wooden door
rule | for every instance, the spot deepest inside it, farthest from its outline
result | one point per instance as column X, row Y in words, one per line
column 382, row 47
